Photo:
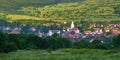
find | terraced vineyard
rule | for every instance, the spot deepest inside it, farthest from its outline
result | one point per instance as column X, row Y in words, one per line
column 90, row 10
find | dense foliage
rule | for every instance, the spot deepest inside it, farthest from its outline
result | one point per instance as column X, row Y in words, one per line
column 12, row 42
column 116, row 41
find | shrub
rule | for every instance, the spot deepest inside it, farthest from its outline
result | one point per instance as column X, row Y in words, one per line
column 116, row 41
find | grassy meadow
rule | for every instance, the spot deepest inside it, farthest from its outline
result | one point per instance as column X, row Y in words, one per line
column 62, row 54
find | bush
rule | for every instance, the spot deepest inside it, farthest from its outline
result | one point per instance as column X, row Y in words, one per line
column 3, row 41
column 81, row 44
column 55, row 42
column 11, row 46
column 116, row 41
column 97, row 44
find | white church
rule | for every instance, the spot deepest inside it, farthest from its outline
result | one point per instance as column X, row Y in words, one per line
column 73, row 28
column 72, row 32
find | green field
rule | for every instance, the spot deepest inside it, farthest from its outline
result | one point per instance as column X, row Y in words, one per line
column 62, row 54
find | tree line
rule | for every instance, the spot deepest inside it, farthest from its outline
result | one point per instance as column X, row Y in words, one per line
column 13, row 42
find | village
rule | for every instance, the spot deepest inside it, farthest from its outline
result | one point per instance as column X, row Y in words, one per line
column 100, row 31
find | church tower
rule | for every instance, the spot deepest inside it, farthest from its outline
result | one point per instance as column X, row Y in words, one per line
column 72, row 25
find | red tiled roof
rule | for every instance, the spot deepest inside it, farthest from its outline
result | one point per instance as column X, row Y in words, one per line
column 71, row 35
column 88, row 31
column 74, row 29
column 116, row 31
column 96, row 28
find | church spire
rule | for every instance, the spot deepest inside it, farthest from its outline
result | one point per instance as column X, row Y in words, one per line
column 72, row 25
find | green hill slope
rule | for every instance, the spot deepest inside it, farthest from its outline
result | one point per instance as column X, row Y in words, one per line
column 102, row 10
column 87, row 10
column 14, row 4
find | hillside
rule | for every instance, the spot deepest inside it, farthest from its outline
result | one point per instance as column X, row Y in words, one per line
column 92, row 10
column 15, row 4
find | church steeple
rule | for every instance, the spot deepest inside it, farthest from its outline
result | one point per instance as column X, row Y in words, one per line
column 72, row 25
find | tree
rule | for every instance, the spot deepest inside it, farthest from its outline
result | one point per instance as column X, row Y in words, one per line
column 3, row 41
column 18, row 39
column 32, row 42
column 116, row 41
column 97, row 44
column 56, row 42
column 81, row 44
column 11, row 46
